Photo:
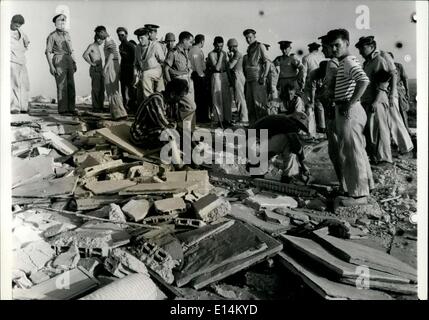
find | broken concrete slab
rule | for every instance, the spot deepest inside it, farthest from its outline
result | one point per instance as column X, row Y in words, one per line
column 137, row 209
column 170, row 206
column 28, row 170
column 95, row 202
column 146, row 170
column 89, row 264
column 249, row 215
column 65, row 286
column 264, row 201
column 326, row 260
column 136, row 286
column 211, row 207
column 197, row 176
column 108, row 186
column 97, row 156
column 94, row 238
column 59, row 143
column 358, row 254
column 23, row 134
column 273, row 217
column 273, row 247
column 157, row 259
column 47, row 188
column 122, row 263
column 120, row 136
column 295, row 215
column 326, row 288
column 94, row 170
column 216, row 251
column 33, row 256
column 67, row 260
column 39, row 277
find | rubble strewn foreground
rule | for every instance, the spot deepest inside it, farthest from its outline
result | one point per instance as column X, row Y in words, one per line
column 95, row 217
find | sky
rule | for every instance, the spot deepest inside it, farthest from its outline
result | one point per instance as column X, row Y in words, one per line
column 301, row 22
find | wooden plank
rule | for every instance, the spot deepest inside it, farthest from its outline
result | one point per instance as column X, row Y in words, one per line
column 327, row 260
column 75, row 282
column 109, row 186
column 326, row 288
column 120, row 136
column 59, row 143
column 248, row 215
column 393, row 288
column 362, row 255
column 47, row 188
column 273, row 247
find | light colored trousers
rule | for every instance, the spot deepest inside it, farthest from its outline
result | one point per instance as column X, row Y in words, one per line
column 333, row 151
column 19, row 87
column 240, row 98
column 221, row 96
column 354, row 160
column 152, row 81
column 377, row 130
column 111, row 82
column 398, row 130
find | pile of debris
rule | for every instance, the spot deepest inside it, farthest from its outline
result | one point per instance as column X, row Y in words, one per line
column 95, row 217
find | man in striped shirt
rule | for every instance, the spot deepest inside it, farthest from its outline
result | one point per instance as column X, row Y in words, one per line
column 326, row 97
column 159, row 112
column 350, row 118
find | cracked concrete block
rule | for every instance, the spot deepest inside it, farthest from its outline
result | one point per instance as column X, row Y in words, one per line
column 137, row 209
column 210, row 208
column 262, row 201
column 39, row 277
column 67, row 260
column 121, row 263
column 172, row 206
column 33, row 256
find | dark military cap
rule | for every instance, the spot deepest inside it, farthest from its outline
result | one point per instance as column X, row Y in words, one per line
column 247, row 31
column 57, row 16
column 365, row 41
column 324, row 39
column 141, row 31
column 285, row 43
column 313, row 45
column 151, row 27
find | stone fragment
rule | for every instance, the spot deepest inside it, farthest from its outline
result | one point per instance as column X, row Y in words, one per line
column 263, row 201
column 136, row 209
column 67, row 260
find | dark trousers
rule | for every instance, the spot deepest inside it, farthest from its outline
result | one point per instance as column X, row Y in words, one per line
column 129, row 93
column 201, row 95
column 65, row 83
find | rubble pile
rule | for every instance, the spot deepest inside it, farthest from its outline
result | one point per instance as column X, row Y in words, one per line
column 111, row 221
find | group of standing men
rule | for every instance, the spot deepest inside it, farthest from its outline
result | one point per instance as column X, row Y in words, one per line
column 362, row 109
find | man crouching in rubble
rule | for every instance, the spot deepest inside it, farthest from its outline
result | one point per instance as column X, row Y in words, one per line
column 283, row 141
column 157, row 115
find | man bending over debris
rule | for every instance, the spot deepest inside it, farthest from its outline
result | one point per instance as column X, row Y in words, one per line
column 283, row 141
column 157, row 113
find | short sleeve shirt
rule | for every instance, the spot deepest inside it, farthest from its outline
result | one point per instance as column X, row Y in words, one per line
column 373, row 67
column 178, row 60
column 288, row 65
column 59, row 42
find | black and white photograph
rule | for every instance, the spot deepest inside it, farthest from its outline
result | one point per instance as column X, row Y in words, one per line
column 214, row 150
